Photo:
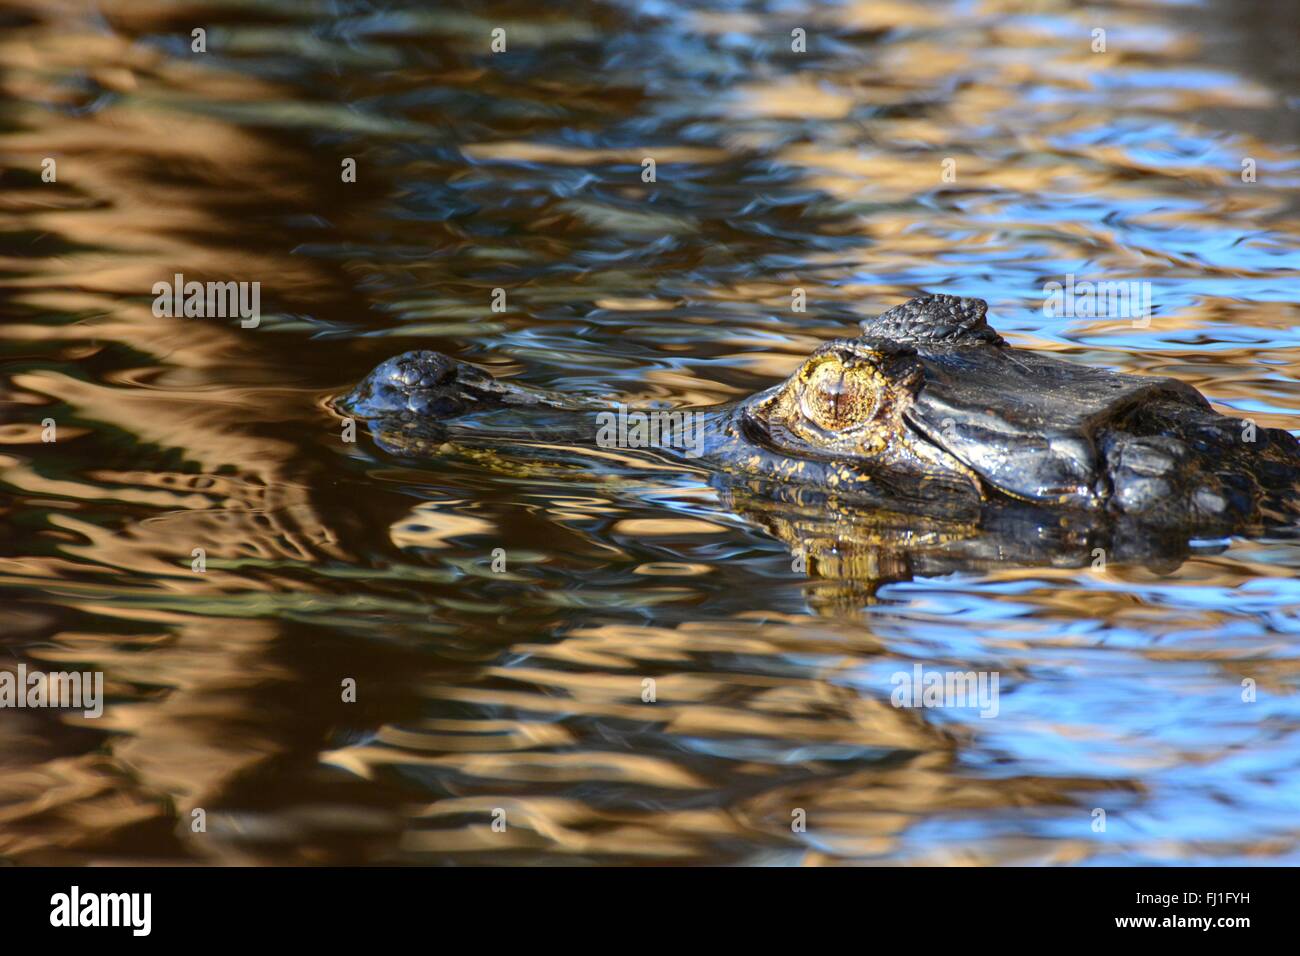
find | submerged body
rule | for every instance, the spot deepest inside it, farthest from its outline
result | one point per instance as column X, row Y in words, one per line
column 929, row 411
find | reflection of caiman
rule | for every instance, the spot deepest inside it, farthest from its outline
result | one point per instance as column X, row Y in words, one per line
column 928, row 413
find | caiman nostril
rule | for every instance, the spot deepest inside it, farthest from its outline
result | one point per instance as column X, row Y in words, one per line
column 422, row 370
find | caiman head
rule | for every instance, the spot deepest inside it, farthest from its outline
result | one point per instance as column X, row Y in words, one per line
column 932, row 403
column 928, row 411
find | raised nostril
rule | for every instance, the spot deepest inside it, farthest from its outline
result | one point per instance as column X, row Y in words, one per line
column 420, row 370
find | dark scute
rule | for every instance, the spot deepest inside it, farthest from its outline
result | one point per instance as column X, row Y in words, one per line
column 935, row 318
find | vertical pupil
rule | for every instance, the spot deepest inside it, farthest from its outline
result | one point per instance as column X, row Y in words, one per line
column 834, row 396
column 832, row 393
column 827, row 401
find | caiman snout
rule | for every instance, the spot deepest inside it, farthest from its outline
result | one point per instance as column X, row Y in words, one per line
column 429, row 387
column 423, row 384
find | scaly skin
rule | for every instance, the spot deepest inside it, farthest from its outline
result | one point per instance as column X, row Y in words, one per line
column 927, row 412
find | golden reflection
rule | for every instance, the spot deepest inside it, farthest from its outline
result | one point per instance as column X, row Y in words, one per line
column 200, row 533
column 240, row 495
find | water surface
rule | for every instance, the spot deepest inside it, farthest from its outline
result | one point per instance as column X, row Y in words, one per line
column 521, row 691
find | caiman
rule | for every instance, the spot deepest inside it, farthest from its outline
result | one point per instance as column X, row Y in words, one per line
column 928, row 412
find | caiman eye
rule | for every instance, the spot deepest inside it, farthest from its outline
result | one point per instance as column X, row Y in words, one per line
column 836, row 397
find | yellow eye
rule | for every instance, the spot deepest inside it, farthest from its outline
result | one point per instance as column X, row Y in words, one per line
column 836, row 396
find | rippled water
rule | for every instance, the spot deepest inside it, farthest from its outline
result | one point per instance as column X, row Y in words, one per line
column 480, row 692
